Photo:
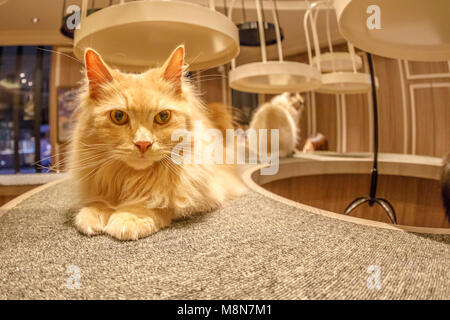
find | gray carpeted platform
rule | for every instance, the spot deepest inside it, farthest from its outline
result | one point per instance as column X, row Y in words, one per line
column 25, row 179
column 253, row 248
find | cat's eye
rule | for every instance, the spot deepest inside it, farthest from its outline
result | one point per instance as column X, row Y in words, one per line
column 163, row 117
column 119, row 117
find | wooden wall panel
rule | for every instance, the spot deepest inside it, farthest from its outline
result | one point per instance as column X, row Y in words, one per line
column 358, row 118
column 303, row 125
column 424, row 108
column 390, row 112
column 441, row 106
column 429, row 68
column 326, row 118
column 432, row 107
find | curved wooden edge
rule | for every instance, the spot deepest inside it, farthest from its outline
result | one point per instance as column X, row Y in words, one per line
column 14, row 202
column 248, row 180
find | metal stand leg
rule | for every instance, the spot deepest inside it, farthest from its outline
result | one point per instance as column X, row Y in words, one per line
column 372, row 199
column 380, row 201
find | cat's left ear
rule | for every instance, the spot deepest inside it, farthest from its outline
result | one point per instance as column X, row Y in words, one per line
column 173, row 68
column 96, row 71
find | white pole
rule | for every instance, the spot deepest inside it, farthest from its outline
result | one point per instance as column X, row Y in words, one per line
column 316, row 39
column 308, row 43
column 277, row 32
column 84, row 7
column 330, row 45
column 230, row 14
column 262, row 36
column 230, row 10
column 351, row 48
column 212, row 5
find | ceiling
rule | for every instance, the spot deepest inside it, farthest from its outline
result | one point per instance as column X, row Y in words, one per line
column 17, row 27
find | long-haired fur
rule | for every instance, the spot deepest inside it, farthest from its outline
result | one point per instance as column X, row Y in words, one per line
column 283, row 112
column 114, row 183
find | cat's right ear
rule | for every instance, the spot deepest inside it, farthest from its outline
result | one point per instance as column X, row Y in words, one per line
column 173, row 68
column 96, row 71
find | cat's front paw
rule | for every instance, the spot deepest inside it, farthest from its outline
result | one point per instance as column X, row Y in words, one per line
column 130, row 226
column 91, row 220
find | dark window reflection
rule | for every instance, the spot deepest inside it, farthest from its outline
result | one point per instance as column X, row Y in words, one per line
column 244, row 104
column 24, row 105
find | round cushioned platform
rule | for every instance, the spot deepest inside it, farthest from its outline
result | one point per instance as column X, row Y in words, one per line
column 253, row 247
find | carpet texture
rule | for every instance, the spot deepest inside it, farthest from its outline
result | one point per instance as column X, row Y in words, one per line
column 24, row 179
column 252, row 248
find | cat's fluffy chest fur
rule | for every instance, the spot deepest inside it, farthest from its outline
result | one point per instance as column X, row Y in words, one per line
column 183, row 189
column 122, row 147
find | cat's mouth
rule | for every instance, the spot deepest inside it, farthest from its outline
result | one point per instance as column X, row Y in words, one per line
column 141, row 161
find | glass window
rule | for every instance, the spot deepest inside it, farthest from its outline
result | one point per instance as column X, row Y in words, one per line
column 24, row 106
column 244, row 104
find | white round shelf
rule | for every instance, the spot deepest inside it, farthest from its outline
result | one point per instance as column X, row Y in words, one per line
column 275, row 77
column 342, row 61
column 346, row 83
column 409, row 29
column 137, row 35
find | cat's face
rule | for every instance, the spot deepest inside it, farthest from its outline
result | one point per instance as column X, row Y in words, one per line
column 289, row 101
column 133, row 116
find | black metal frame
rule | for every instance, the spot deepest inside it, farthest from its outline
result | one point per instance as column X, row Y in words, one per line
column 372, row 198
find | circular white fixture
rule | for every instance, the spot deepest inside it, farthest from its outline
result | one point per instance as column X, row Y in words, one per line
column 346, row 83
column 338, row 61
column 408, row 29
column 342, row 76
column 272, row 77
column 35, row 20
column 136, row 35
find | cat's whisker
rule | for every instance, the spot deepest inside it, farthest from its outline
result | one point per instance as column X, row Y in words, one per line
column 87, row 159
column 170, row 166
column 96, row 144
column 58, row 154
column 84, row 161
column 96, row 167
column 210, row 76
column 62, row 54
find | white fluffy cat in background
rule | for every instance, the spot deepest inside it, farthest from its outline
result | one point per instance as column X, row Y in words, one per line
column 283, row 113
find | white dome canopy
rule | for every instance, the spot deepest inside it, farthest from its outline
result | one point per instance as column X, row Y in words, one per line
column 408, row 29
column 136, row 35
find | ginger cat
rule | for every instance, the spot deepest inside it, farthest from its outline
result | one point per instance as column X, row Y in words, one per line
column 121, row 151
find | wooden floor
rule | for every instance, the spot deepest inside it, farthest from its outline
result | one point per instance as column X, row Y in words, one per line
column 7, row 193
column 417, row 201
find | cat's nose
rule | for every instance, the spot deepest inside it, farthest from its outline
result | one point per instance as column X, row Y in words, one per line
column 143, row 145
